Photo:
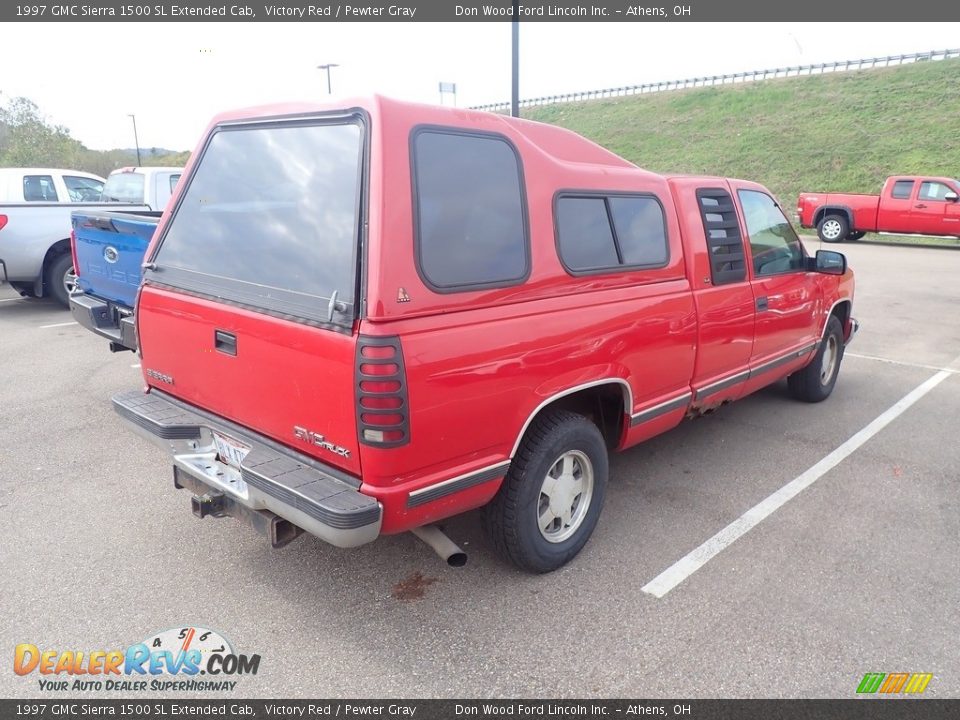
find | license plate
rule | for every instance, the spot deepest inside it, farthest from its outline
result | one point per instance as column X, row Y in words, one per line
column 231, row 451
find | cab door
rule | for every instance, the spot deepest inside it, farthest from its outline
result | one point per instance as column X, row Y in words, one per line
column 893, row 213
column 786, row 295
column 933, row 213
column 721, row 289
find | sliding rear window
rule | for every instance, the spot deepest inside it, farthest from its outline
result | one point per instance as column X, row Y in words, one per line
column 270, row 220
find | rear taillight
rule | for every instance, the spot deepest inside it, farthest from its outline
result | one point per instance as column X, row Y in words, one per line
column 3, row 221
column 383, row 418
column 73, row 252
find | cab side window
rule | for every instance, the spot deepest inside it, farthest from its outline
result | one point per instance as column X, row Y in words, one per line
column 902, row 189
column 83, row 189
column 39, row 188
column 774, row 246
column 936, row 191
column 600, row 233
column 470, row 210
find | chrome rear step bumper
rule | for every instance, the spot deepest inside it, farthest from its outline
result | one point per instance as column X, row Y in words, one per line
column 269, row 479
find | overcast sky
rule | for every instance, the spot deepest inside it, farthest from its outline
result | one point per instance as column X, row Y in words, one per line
column 176, row 76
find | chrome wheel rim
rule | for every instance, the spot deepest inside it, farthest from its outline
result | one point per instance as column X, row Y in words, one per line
column 829, row 360
column 565, row 496
column 831, row 229
column 70, row 281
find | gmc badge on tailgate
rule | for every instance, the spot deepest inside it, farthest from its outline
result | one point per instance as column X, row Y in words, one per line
column 319, row 440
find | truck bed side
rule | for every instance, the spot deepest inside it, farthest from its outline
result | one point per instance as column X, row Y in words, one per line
column 859, row 209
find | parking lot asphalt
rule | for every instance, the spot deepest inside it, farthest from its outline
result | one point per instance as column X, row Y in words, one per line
column 858, row 573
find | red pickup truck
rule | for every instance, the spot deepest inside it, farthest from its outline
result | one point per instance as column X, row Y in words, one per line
column 907, row 205
column 416, row 311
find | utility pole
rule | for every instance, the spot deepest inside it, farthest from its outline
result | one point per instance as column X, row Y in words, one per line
column 515, row 90
column 135, row 138
column 327, row 68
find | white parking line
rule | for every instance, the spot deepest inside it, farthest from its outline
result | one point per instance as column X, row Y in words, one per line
column 686, row 566
column 900, row 362
column 44, row 327
column 12, row 299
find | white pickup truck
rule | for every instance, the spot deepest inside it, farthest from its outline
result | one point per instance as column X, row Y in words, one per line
column 35, row 209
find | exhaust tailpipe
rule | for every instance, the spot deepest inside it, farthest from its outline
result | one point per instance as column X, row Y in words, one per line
column 441, row 544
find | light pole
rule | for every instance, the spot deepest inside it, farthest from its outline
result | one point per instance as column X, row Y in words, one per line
column 515, row 52
column 327, row 68
column 136, row 140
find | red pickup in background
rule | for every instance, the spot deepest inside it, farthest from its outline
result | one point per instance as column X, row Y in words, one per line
column 907, row 205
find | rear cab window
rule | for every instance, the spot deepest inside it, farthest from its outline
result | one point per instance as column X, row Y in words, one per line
column 124, row 187
column 470, row 212
column 902, row 189
column 269, row 220
column 39, row 188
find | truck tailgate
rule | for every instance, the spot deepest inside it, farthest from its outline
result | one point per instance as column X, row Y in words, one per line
column 109, row 252
column 283, row 379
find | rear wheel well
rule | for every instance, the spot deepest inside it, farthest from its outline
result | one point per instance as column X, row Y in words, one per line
column 59, row 248
column 821, row 213
column 604, row 405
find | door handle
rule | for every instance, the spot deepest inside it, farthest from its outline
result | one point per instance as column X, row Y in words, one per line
column 919, row 205
column 762, row 303
column 225, row 342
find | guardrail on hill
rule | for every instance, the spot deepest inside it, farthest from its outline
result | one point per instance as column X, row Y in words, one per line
column 734, row 78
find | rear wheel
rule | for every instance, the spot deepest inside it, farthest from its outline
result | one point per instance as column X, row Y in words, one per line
column 61, row 279
column 550, row 501
column 833, row 228
column 815, row 382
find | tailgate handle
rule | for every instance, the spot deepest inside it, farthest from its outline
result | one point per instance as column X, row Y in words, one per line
column 225, row 342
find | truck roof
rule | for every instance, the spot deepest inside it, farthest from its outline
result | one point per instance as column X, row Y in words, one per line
column 559, row 143
column 145, row 169
column 48, row 171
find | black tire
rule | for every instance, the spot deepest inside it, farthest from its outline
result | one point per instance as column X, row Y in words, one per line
column 512, row 519
column 855, row 235
column 814, row 383
column 57, row 273
column 833, row 228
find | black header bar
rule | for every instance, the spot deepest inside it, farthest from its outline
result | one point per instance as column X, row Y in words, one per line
column 872, row 708
column 826, row 11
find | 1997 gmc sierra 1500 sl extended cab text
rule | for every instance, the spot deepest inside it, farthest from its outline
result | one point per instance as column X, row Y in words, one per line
column 907, row 205
column 416, row 311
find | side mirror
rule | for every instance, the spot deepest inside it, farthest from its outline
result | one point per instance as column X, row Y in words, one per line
column 829, row 262
column 951, row 196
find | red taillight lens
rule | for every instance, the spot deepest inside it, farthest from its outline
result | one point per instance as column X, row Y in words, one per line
column 73, row 252
column 383, row 418
column 3, row 221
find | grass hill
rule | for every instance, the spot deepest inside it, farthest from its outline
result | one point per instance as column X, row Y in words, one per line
column 837, row 132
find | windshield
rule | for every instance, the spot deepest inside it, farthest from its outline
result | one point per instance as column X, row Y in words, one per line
column 124, row 187
column 269, row 219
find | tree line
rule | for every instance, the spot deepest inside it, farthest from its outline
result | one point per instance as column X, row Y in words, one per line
column 28, row 139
